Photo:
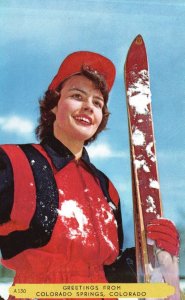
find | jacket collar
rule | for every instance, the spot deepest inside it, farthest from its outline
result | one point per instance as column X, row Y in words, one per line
column 60, row 154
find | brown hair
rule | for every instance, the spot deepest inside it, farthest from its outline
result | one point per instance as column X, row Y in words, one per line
column 51, row 98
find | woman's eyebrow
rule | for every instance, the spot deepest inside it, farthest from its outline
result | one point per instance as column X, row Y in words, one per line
column 85, row 93
column 99, row 97
column 79, row 90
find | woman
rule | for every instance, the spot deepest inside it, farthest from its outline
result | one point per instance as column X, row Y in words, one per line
column 60, row 216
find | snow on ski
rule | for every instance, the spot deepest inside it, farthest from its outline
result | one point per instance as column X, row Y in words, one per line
column 147, row 204
column 143, row 154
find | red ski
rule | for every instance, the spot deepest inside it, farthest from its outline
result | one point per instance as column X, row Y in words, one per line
column 147, row 202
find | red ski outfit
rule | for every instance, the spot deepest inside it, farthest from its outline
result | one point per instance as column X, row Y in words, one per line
column 60, row 218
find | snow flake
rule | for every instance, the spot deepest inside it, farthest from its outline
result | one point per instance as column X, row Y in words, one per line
column 141, row 164
column 146, row 168
column 97, row 214
column 153, row 158
column 31, row 183
column 109, row 216
column 70, row 209
column 112, row 205
column 105, row 213
column 151, row 205
column 108, row 242
column 138, row 138
column 149, row 151
column 106, row 238
column 154, row 184
column 139, row 93
column 61, row 192
column 32, row 162
column 115, row 222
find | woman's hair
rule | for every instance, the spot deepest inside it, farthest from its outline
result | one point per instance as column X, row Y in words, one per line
column 51, row 98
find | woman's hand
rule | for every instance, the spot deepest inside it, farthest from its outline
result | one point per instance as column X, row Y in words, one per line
column 165, row 235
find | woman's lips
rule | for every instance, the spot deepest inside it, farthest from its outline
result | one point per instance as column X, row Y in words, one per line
column 83, row 119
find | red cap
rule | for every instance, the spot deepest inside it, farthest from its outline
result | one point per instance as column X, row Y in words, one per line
column 72, row 65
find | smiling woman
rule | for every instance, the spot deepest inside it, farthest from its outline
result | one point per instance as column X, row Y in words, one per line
column 63, row 208
column 60, row 218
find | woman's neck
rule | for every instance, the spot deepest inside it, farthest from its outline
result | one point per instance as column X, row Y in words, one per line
column 76, row 147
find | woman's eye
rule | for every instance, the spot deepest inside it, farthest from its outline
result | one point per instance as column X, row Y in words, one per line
column 77, row 96
column 98, row 104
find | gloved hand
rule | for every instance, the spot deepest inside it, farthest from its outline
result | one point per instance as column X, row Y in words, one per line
column 165, row 235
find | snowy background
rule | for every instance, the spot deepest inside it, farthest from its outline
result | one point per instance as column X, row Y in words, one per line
column 35, row 36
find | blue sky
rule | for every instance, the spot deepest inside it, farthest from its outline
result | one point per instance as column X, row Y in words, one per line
column 35, row 36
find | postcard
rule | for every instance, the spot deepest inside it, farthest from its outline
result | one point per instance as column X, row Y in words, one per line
column 60, row 202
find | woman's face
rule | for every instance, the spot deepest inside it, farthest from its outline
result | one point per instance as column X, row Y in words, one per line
column 79, row 110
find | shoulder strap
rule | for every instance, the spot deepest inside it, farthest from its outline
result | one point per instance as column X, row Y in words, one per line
column 24, row 187
column 45, row 215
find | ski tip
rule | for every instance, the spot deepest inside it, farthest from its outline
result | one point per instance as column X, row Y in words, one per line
column 138, row 40
column 136, row 59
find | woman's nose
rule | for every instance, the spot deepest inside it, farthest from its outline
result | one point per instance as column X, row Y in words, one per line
column 88, row 105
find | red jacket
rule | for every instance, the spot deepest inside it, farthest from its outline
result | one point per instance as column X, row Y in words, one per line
column 60, row 219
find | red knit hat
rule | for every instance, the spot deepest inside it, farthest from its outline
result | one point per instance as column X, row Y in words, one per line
column 72, row 65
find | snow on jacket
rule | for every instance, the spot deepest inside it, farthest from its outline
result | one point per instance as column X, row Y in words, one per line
column 60, row 218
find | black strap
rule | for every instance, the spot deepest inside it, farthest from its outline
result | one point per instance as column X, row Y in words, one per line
column 45, row 216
